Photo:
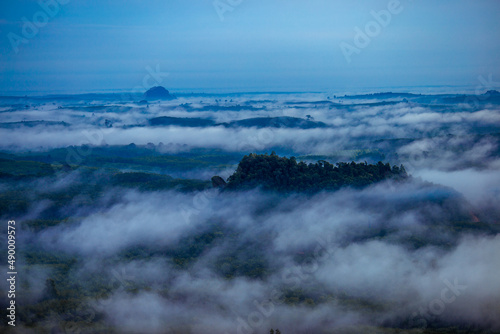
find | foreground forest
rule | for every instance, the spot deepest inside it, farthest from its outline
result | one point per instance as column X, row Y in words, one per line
column 282, row 174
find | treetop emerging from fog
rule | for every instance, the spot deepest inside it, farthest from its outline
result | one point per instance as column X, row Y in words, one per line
column 272, row 172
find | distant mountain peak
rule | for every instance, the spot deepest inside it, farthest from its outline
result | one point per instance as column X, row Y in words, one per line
column 492, row 93
column 158, row 93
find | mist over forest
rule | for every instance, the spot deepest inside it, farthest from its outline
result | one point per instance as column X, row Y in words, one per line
column 246, row 212
column 249, row 167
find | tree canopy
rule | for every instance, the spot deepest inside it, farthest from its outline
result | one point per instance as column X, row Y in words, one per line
column 272, row 172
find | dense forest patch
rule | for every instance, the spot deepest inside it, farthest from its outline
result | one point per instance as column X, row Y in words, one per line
column 272, row 172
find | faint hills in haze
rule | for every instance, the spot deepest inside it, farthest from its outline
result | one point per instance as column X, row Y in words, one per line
column 257, row 122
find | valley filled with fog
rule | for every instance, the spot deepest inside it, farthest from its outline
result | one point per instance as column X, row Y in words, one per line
column 122, row 229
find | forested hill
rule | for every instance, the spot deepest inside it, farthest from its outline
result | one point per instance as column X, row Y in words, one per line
column 272, row 172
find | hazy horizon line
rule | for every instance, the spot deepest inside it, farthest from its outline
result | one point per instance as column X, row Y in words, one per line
column 425, row 89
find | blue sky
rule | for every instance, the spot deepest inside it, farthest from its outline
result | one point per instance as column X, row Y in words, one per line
column 260, row 45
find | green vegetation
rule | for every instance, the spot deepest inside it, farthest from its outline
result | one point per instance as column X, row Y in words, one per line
column 87, row 185
column 272, row 172
column 10, row 167
column 126, row 158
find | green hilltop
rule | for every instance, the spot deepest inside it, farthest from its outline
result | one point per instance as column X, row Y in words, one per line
column 272, row 172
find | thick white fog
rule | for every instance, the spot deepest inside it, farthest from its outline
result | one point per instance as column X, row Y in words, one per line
column 386, row 280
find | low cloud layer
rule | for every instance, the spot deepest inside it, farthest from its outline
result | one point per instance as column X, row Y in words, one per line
column 413, row 254
column 330, row 250
column 348, row 120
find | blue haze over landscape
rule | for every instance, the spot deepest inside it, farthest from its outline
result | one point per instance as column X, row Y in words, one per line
column 244, row 166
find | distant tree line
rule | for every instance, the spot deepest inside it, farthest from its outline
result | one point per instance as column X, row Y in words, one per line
column 272, row 172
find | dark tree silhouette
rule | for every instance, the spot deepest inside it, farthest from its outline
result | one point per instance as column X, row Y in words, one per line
column 272, row 172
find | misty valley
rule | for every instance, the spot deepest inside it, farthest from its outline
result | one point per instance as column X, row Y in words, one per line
column 253, row 212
